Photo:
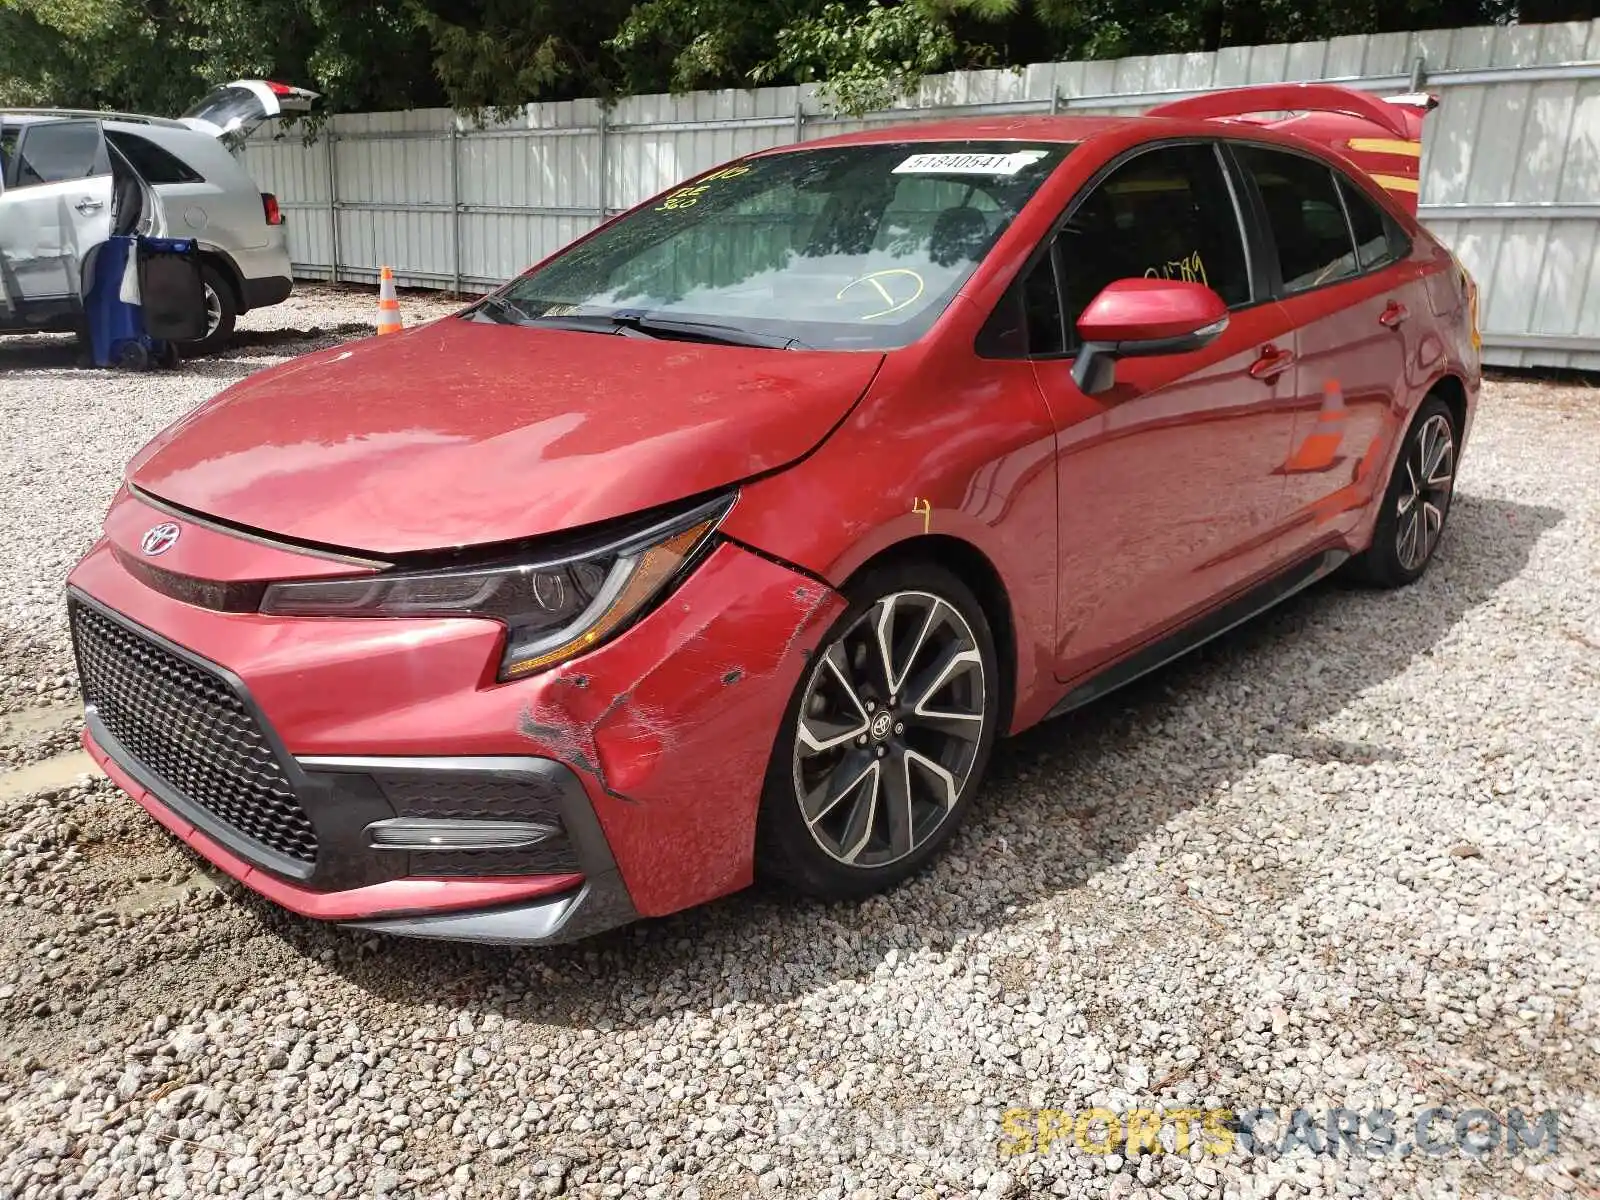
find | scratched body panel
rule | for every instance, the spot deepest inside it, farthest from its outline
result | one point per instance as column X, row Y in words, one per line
column 674, row 723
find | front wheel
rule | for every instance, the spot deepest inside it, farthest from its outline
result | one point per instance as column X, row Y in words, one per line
column 1416, row 503
column 886, row 738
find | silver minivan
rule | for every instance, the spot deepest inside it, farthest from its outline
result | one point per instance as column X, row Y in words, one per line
column 69, row 179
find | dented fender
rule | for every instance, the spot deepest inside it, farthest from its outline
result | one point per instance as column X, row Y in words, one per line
column 674, row 723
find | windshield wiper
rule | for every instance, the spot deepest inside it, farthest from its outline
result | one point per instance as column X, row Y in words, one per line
column 642, row 324
column 512, row 314
column 706, row 331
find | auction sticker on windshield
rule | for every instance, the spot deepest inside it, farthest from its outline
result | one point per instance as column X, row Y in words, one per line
column 969, row 164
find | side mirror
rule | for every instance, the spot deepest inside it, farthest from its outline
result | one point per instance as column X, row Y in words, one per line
column 1137, row 318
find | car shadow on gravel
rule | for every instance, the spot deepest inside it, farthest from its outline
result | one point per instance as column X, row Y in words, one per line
column 243, row 355
column 1065, row 801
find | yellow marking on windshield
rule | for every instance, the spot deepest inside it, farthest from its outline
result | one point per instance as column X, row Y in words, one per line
column 688, row 197
column 876, row 279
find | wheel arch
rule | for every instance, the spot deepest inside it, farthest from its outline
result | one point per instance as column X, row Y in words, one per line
column 229, row 270
column 974, row 568
column 1453, row 391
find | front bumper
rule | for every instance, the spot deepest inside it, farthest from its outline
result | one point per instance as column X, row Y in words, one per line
column 647, row 755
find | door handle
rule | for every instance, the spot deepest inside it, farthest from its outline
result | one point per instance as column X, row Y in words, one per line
column 1272, row 363
column 87, row 206
column 1393, row 315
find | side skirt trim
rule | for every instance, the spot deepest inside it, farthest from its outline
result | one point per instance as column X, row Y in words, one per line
column 1213, row 624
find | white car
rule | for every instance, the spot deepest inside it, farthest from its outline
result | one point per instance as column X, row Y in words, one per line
column 69, row 179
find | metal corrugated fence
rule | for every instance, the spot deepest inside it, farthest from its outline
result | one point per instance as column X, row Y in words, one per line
column 1510, row 170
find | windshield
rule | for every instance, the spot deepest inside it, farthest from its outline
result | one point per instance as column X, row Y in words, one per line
column 852, row 247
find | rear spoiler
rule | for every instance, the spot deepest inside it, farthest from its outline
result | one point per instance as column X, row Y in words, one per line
column 1381, row 135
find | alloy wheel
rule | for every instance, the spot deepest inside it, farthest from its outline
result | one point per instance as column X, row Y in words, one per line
column 1425, row 495
column 889, row 729
column 213, row 310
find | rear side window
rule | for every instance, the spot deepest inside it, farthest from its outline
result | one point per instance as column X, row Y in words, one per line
column 60, row 152
column 1379, row 238
column 153, row 163
column 1306, row 217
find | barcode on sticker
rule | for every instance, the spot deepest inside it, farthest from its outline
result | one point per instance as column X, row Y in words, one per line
column 969, row 164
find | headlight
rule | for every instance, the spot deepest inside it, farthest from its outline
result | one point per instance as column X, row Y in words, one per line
column 553, row 610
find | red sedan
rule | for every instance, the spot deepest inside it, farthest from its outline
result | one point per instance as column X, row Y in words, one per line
column 727, row 540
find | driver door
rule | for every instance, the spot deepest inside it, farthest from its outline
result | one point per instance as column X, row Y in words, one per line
column 56, row 206
column 1169, row 484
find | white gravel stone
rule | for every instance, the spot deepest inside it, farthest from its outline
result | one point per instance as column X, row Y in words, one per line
column 1348, row 855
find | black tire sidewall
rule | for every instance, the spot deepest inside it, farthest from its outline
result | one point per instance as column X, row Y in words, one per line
column 223, row 334
column 785, row 850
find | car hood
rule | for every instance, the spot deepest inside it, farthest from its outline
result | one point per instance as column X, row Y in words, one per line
column 460, row 432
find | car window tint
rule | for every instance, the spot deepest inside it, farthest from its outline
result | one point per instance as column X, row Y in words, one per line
column 153, row 163
column 1166, row 214
column 1305, row 215
column 1027, row 321
column 1376, row 243
column 60, row 152
column 8, row 155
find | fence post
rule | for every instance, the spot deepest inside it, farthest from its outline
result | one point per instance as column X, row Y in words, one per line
column 455, row 205
column 799, row 114
column 603, row 155
column 333, row 206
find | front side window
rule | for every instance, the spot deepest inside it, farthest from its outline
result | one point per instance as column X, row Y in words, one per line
column 853, row 247
column 10, row 135
column 1306, row 216
column 60, row 152
column 1165, row 214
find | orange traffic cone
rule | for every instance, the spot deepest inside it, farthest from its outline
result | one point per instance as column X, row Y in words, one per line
column 1317, row 451
column 388, row 304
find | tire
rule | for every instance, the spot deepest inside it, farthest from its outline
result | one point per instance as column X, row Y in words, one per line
column 132, row 356
column 1406, row 534
column 864, row 763
column 222, row 311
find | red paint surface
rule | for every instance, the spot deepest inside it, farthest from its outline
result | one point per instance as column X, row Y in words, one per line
column 1140, row 309
column 458, row 433
column 1107, row 520
column 683, row 756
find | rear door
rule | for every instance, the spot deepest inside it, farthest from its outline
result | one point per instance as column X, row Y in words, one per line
column 56, row 206
column 238, row 107
column 1339, row 261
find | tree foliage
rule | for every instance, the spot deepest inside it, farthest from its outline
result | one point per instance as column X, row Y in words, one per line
column 161, row 55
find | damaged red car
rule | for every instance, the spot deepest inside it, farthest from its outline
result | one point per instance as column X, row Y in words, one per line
column 726, row 542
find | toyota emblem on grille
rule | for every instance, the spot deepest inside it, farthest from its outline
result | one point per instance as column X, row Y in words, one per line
column 158, row 539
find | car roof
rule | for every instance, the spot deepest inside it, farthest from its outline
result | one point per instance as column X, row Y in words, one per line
column 27, row 118
column 35, row 116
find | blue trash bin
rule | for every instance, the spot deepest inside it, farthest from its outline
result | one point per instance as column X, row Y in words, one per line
column 117, row 334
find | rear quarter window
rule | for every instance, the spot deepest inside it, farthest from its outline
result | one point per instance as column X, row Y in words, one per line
column 153, row 163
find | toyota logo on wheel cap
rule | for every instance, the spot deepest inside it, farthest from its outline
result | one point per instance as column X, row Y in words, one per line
column 158, row 539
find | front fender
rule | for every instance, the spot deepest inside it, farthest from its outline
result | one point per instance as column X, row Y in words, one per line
column 943, row 446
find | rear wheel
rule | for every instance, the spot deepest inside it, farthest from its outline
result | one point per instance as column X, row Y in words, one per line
column 1416, row 503
column 222, row 310
column 886, row 738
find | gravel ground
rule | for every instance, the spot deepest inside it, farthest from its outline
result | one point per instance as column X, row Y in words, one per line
column 1347, row 856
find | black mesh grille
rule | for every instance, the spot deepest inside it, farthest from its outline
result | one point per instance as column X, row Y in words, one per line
column 470, row 796
column 191, row 730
